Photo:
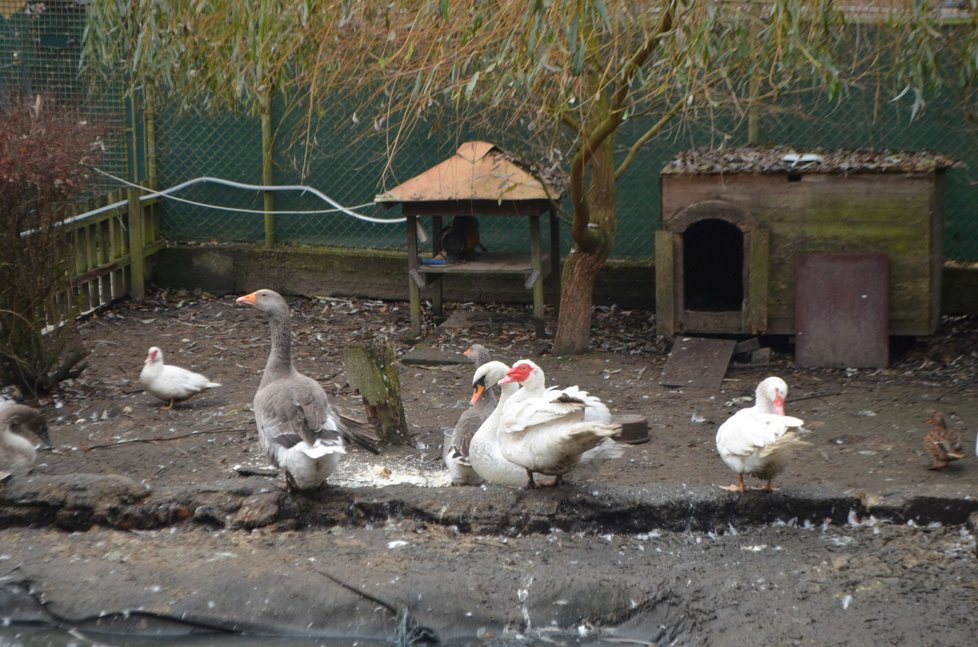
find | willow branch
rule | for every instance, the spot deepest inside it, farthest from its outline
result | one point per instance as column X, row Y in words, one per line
column 654, row 130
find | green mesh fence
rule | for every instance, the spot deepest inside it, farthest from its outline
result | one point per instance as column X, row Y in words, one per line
column 230, row 147
column 40, row 46
column 39, row 51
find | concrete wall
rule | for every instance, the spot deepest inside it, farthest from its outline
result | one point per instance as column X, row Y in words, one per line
column 378, row 274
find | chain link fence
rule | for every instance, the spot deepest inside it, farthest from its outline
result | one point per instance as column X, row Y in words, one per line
column 230, row 147
column 39, row 54
column 40, row 49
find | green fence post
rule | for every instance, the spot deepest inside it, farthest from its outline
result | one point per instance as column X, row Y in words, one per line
column 137, row 247
column 267, row 174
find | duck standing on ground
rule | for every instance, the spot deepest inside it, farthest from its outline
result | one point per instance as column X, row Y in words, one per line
column 17, row 454
column 759, row 439
column 298, row 429
column 455, row 451
column 549, row 432
column 943, row 443
column 170, row 383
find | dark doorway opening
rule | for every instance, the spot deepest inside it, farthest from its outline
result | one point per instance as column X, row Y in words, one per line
column 713, row 266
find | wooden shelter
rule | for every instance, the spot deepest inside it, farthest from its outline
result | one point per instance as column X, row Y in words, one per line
column 734, row 222
column 479, row 181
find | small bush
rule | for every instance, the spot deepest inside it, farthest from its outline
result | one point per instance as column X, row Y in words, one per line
column 45, row 156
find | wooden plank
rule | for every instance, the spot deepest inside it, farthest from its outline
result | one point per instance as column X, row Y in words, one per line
column 665, row 281
column 760, row 262
column 490, row 263
column 841, row 310
column 697, row 362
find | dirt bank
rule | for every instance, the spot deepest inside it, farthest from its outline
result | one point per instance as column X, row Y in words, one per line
column 140, row 510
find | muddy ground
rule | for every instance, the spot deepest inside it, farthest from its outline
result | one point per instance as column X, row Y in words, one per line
column 139, row 517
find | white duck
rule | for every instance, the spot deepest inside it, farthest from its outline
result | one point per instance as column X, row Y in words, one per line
column 759, row 439
column 170, row 383
column 547, row 431
column 17, row 454
column 485, row 453
column 455, row 451
column 298, row 429
column 531, row 377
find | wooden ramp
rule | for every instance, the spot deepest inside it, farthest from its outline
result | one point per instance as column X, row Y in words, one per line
column 697, row 362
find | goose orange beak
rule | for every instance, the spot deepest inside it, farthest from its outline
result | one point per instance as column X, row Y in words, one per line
column 477, row 392
column 246, row 300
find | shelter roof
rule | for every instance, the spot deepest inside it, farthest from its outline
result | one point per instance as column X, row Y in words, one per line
column 478, row 171
column 785, row 159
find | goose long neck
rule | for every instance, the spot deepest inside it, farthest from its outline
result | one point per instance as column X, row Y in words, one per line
column 280, row 357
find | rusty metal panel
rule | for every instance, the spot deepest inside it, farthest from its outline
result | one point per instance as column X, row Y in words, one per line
column 697, row 362
column 842, row 310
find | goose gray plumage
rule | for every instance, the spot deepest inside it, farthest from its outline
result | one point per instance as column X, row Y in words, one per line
column 17, row 454
column 170, row 383
column 455, row 451
column 298, row 428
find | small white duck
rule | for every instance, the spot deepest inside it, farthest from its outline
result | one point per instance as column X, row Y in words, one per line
column 455, row 451
column 17, row 454
column 299, row 430
column 548, row 432
column 171, row 383
column 759, row 439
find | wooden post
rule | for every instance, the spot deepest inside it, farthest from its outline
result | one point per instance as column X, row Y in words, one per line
column 372, row 370
column 753, row 113
column 267, row 168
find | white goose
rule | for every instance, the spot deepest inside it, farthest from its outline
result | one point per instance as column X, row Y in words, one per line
column 548, row 431
column 170, row 383
column 484, row 453
column 298, row 428
column 759, row 439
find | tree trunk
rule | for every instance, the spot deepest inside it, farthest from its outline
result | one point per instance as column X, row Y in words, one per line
column 594, row 235
column 576, row 297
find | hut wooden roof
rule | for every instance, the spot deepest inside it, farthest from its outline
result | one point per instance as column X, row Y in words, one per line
column 784, row 159
column 478, row 171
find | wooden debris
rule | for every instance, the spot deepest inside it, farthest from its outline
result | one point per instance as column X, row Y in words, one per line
column 372, row 370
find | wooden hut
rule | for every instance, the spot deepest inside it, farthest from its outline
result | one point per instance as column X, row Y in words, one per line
column 479, row 181
column 736, row 222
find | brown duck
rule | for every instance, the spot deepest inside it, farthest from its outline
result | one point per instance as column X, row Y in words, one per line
column 17, row 454
column 943, row 443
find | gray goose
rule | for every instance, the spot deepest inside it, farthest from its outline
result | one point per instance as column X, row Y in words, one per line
column 17, row 454
column 455, row 451
column 298, row 429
